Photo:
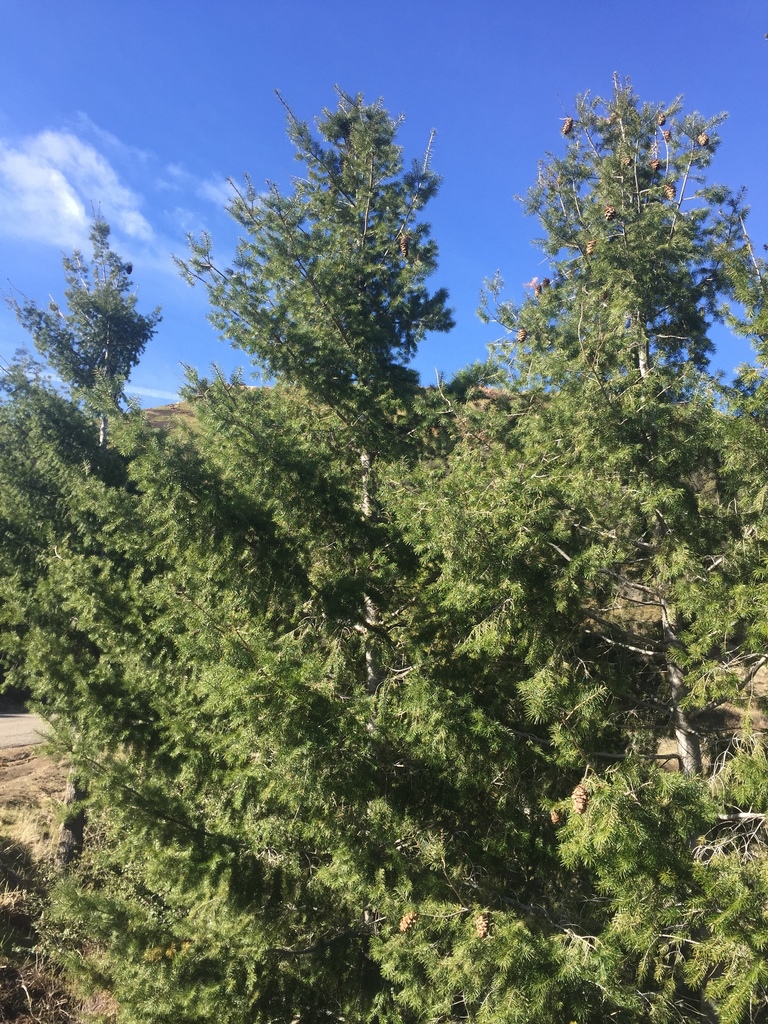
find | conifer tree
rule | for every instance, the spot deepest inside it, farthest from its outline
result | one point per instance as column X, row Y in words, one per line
column 93, row 346
column 98, row 340
column 45, row 441
column 622, row 571
column 613, row 355
column 328, row 293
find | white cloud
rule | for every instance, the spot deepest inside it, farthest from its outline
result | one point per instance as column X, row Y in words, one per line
column 187, row 220
column 50, row 184
column 171, row 396
column 214, row 189
column 84, row 126
column 217, row 190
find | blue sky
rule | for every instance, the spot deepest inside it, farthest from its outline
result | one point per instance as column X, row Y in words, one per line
column 144, row 110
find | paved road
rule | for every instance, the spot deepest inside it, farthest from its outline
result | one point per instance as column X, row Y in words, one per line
column 21, row 730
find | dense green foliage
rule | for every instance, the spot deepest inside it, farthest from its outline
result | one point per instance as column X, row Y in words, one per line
column 403, row 704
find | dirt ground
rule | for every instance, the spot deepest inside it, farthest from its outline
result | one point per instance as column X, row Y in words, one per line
column 31, row 793
column 31, row 788
column 27, row 779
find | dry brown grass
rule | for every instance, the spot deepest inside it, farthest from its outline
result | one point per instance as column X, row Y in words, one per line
column 30, row 995
column 31, row 990
column 166, row 417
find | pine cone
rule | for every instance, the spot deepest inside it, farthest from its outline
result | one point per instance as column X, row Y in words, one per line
column 522, row 334
column 610, row 213
column 703, row 139
column 666, row 135
column 537, row 290
column 669, row 191
column 407, row 921
column 655, row 164
column 568, row 126
column 590, row 246
column 661, row 119
column 545, row 282
column 555, row 816
column 580, row 799
column 403, row 240
column 482, row 925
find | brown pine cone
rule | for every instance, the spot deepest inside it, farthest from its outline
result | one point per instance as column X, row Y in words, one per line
column 568, row 126
column 407, row 921
column 482, row 925
column 580, row 799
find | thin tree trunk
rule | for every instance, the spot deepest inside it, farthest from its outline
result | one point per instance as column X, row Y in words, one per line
column 103, row 426
column 71, row 830
column 688, row 739
column 373, row 673
column 643, row 360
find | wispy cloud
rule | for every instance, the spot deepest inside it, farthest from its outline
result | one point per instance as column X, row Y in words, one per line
column 51, row 182
column 214, row 189
column 85, row 127
column 171, row 396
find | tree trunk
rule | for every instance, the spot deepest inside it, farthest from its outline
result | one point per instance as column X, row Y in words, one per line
column 373, row 673
column 71, row 831
column 688, row 740
column 103, row 427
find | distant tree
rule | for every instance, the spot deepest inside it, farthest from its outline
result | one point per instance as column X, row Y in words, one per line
column 45, row 441
column 92, row 346
column 96, row 341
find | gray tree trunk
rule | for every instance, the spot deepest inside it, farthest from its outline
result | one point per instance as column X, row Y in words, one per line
column 688, row 739
column 71, row 830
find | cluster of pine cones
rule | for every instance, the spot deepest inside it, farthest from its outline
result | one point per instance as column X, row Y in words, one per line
column 482, row 923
